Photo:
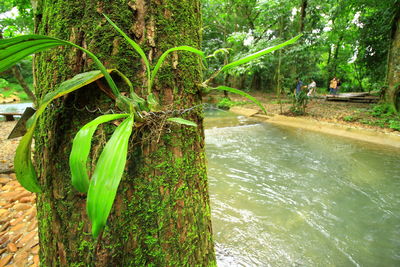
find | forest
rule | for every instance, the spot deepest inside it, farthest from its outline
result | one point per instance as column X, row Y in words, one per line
column 350, row 40
column 125, row 151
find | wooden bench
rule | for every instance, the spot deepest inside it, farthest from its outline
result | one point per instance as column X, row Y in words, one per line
column 10, row 115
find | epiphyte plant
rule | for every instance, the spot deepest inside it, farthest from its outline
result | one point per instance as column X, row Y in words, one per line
column 102, row 186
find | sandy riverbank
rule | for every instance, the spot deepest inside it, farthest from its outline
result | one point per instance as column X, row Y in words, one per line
column 372, row 135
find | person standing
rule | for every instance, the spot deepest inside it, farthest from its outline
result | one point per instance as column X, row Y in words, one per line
column 299, row 84
column 312, row 88
column 333, row 86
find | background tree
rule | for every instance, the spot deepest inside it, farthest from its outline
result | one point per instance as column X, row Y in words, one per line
column 393, row 73
column 17, row 19
column 349, row 39
column 161, row 215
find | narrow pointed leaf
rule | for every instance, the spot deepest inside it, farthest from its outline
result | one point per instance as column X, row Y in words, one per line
column 23, row 166
column 239, row 92
column 165, row 54
column 24, row 170
column 182, row 121
column 13, row 50
column 78, row 81
column 133, row 44
column 218, row 51
column 259, row 54
column 107, row 176
column 81, row 148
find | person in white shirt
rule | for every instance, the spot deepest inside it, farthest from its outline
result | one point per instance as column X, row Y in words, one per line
column 312, row 88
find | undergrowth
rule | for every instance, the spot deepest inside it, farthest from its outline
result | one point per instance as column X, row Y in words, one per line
column 381, row 115
column 227, row 103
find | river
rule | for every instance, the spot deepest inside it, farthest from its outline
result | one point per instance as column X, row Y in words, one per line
column 283, row 196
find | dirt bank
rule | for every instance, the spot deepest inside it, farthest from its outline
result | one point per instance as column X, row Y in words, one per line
column 354, row 131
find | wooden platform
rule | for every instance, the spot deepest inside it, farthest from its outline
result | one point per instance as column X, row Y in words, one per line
column 10, row 115
column 9, row 111
column 363, row 97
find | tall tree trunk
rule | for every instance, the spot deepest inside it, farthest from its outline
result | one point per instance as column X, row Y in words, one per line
column 161, row 215
column 393, row 73
column 303, row 8
column 278, row 85
column 332, row 61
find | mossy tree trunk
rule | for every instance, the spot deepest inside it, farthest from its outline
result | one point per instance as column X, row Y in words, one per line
column 161, row 216
column 393, row 73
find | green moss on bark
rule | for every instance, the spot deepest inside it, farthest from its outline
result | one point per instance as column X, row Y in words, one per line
column 161, row 216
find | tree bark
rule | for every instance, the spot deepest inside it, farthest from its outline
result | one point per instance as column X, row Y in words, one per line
column 393, row 73
column 161, row 215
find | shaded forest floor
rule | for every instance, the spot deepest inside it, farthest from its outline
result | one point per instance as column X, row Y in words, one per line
column 361, row 115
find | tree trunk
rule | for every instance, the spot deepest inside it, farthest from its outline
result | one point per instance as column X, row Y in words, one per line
column 303, row 8
column 393, row 74
column 20, row 79
column 332, row 61
column 161, row 215
column 18, row 75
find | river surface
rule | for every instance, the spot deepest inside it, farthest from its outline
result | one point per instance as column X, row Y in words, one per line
column 282, row 196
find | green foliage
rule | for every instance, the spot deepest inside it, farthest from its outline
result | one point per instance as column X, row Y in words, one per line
column 81, row 148
column 108, row 171
column 349, row 118
column 348, row 39
column 382, row 110
column 299, row 103
column 395, row 124
column 4, row 83
column 258, row 54
column 107, row 175
column 383, row 114
column 22, row 23
column 226, row 103
column 15, row 49
column 182, row 121
column 236, row 91
column 24, row 169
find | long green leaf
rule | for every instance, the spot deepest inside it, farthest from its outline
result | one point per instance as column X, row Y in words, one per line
column 182, row 121
column 78, row 81
column 259, row 54
column 107, row 176
column 24, row 170
column 165, row 54
column 81, row 148
column 13, row 50
column 135, row 46
column 239, row 92
column 23, row 166
column 218, row 51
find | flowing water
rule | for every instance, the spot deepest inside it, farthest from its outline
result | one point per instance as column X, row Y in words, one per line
column 282, row 196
